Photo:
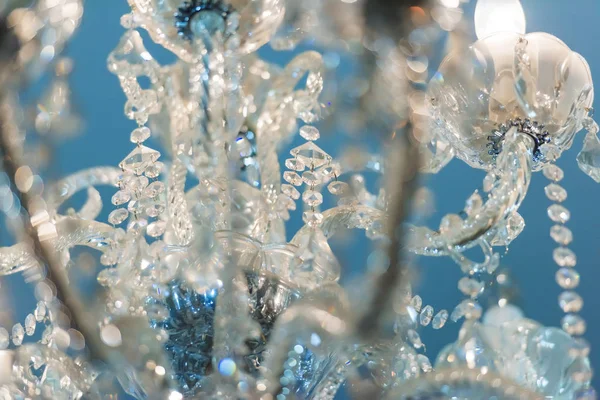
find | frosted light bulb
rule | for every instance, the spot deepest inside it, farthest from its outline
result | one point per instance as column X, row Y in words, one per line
column 492, row 16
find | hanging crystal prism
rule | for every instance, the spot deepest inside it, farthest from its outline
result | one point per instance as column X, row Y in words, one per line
column 139, row 159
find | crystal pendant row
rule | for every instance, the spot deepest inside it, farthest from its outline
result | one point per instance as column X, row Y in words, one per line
column 139, row 189
column 567, row 277
column 316, row 168
column 19, row 330
column 427, row 314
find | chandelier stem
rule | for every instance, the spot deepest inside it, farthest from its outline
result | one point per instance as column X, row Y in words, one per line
column 371, row 321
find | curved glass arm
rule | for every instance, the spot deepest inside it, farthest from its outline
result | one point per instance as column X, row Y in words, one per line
column 463, row 382
column 64, row 189
column 17, row 258
column 507, row 186
column 74, row 231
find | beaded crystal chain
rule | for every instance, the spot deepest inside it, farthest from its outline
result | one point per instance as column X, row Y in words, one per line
column 567, row 277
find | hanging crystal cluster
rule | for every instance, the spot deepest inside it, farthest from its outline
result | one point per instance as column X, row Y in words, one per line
column 204, row 291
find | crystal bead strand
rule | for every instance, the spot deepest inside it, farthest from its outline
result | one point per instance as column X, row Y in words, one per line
column 315, row 165
column 315, row 259
column 426, row 313
column 28, row 328
column 144, row 199
column 567, row 277
column 473, row 284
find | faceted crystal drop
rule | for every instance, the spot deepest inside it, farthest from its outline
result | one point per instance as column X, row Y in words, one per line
column 426, row 315
column 558, row 213
column 570, row 301
column 416, row 303
column 309, row 132
column 156, row 228
column 312, row 218
column 139, row 159
column 589, row 157
column 136, row 185
column 338, row 188
column 580, row 371
column 292, row 177
column 120, row 198
column 30, row 323
column 470, row 287
column 573, row 324
column 440, row 319
column 331, row 171
column 4, row 338
column 137, row 207
column 312, row 178
column 40, row 311
column 556, row 192
column 154, row 189
column 140, row 135
column 155, row 209
column 154, row 170
column 312, row 198
column 17, row 334
column 579, row 348
column 295, row 164
column 118, row 216
column 137, row 225
column 561, row 234
column 564, row 257
column 553, row 173
column 311, row 155
column 567, row 278
column 290, row 191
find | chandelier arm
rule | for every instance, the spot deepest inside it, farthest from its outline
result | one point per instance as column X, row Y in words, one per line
column 458, row 376
column 59, row 192
column 341, row 216
column 75, row 231
column 511, row 182
column 44, row 251
column 17, row 258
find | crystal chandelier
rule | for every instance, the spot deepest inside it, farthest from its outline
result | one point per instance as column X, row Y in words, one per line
column 206, row 289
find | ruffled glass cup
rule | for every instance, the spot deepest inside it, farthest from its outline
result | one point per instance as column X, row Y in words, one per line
column 534, row 82
column 176, row 24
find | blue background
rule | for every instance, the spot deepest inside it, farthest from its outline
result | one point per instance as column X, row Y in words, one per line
column 106, row 141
